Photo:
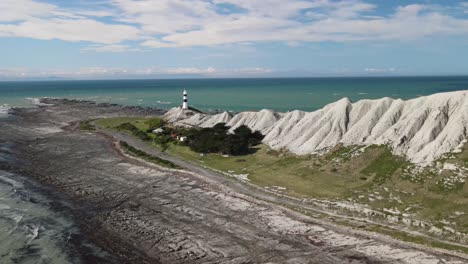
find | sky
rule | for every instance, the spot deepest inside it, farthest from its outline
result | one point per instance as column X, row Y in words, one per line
column 112, row 39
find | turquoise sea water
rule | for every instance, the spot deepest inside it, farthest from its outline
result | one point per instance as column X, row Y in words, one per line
column 281, row 94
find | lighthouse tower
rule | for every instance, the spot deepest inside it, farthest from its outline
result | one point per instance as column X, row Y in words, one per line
column 185, row 103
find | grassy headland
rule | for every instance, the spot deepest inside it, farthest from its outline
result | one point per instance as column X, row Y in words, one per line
column 371, row 176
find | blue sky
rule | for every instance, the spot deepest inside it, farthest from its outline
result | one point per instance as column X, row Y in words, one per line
column 107, row 39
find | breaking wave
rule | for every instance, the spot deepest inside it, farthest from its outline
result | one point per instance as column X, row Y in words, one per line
column 36, row 101
column 30, row 230
column 4, row 109
column 163, row 102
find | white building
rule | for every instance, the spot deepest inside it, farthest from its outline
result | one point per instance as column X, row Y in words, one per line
column 185, row 102
column 158, row 131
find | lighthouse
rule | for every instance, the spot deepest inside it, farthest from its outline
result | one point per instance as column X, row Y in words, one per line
column 185, row 103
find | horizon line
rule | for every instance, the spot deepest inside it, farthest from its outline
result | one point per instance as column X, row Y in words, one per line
column 232, row 78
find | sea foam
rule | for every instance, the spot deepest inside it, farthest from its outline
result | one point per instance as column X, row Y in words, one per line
column 36, row 101
column 4, row 109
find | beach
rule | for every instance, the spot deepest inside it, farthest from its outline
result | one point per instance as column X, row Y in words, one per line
column 138, row 212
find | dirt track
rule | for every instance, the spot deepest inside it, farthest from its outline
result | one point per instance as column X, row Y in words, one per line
column 146, row 214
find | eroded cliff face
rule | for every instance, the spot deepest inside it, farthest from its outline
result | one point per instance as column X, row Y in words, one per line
column 421, row 129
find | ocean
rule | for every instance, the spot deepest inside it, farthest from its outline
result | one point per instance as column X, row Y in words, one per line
column 29, row 231
column 280, row 94
column 34, row 229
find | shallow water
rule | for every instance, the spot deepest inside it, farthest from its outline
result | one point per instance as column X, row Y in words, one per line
column 33, row 228
column 30, row 232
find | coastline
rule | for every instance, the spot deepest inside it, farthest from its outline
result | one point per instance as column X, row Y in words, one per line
column 51, row 214
column 79, row 246
column 134, row 200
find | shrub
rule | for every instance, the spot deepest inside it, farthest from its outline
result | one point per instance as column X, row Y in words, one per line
column 141, row 154
column 243, row 131
column 207, row 140
column 127, row 126
column 235, row 145
column 163, row 140
column 221, row 128
column 134, row 130
column 256, row 138
column 141, row 135
column 86, row 125
column 154, row 123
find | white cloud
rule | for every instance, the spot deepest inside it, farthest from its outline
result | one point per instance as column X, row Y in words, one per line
column 407, row 23
column 103, row 73
column 379, row 70
column 350, row 9
column 186, row 23
column 249, row 71
column 110, row 48
column 70, row 30
column 275, row 8
column 292, row 21
column 166, row 16
column 22, row 73
column 190, row 71
column 210, row 71
column 17, row 10
column 96, row 71
column 37, row 20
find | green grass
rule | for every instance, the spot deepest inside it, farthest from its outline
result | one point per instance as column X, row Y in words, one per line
column 339, row 175
column 340, row 153
column 384, row 166
column 416, row 239
column 139, row 122
column 266, row 168
column 155, row 122
column 463, row 156
column 86, row 125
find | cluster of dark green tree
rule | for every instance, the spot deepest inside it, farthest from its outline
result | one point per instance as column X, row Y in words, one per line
column 217, row 139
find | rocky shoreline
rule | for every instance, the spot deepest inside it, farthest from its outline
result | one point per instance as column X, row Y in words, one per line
column 142, row 213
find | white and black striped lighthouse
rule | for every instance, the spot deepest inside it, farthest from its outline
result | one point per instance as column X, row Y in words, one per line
column 185, row 103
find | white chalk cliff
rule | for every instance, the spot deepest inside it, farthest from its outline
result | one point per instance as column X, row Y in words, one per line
column 422, row 129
